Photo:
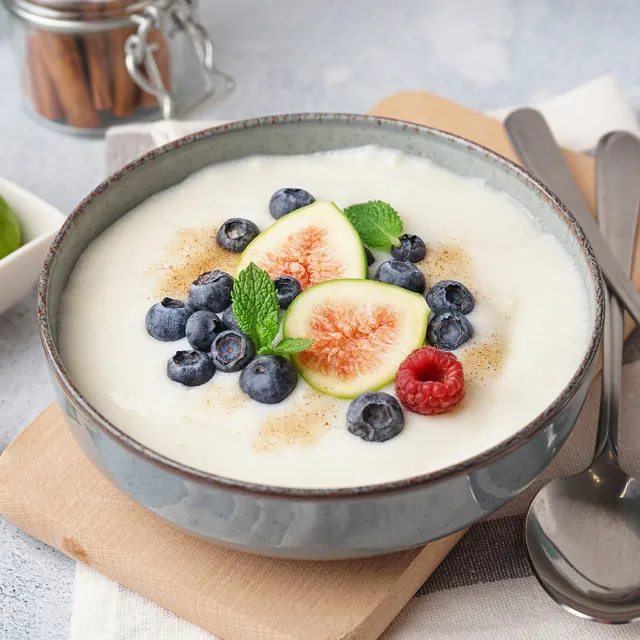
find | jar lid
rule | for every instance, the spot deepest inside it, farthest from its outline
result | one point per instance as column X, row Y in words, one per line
column 77, row 15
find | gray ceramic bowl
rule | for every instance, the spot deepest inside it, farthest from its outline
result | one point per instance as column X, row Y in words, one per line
column 308, row 523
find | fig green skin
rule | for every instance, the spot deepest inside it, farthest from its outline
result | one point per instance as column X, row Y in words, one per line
column 284, row 220
column 348, row 396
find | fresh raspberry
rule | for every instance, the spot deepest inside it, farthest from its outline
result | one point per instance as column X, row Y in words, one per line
column 430, row 381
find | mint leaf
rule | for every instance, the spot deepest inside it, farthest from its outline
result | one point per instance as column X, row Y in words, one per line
column 266, row 351
column 286, row 347
column 292, row 345
column 255, row 305
column 377, row 223
column 266, row 334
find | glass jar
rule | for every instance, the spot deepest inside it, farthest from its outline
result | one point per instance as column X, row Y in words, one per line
column 89, row 64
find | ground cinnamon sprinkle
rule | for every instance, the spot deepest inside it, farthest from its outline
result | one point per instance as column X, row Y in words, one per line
column 447, row 262
column 228, row 399
column 190, row 253
column 483, row 360
column 302, row 424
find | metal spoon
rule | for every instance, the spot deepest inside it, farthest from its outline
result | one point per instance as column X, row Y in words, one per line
column 583, row 532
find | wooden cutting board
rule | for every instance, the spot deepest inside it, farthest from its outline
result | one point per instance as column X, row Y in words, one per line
column 50, row 490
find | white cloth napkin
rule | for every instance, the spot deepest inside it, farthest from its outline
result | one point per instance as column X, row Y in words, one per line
column 471, row 595
column 581, row 116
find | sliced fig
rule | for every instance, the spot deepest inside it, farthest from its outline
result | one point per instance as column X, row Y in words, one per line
column 312, row 244
column 361, row 330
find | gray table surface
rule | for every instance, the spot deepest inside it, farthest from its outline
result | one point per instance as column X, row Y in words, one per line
column 287, row 56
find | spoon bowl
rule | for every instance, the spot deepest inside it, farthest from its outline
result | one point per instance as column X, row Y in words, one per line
column 583, row 538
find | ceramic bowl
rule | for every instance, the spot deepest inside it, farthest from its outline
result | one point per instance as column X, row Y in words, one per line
column 315, row 523
column 39, row 222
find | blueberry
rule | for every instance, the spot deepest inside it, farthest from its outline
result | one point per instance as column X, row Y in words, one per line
column 448, row 330
column 190, row 368
column 232, row 350
column 269, row 379
column 402, row 274
column 235, row 234
column 450, row 295
column 211, row 291
column 412, row 248
column 287, row 288
column 167, row 320
column 285, row 201
column 229, row 319
column 370, row 257
column 202, row 327
column 375, row 416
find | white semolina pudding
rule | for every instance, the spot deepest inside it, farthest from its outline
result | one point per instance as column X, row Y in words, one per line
column 503, row 301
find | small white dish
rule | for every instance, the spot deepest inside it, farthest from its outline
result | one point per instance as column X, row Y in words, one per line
column 39, row 222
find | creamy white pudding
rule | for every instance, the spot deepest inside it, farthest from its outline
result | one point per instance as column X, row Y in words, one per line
column 530, row 322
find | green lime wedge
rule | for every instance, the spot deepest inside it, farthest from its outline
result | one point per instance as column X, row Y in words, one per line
column 10, row 236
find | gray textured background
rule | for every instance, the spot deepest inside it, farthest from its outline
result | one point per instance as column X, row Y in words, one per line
column 334, row 55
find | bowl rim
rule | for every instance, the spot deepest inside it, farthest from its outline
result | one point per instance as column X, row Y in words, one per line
column 463, row 468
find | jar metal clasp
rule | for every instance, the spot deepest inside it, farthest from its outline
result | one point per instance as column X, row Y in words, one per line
column 143, row 68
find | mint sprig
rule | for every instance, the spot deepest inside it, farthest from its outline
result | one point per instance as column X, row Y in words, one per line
column 255, row 306
column 377, row 223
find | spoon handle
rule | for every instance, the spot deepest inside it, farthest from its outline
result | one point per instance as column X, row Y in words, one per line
column 533, row 141
column 618, row 199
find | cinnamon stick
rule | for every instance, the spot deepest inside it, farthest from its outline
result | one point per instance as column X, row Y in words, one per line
column 98, row 63
column 42, row 90
column 161, row 55
column 63, row 60
column 125, row 90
